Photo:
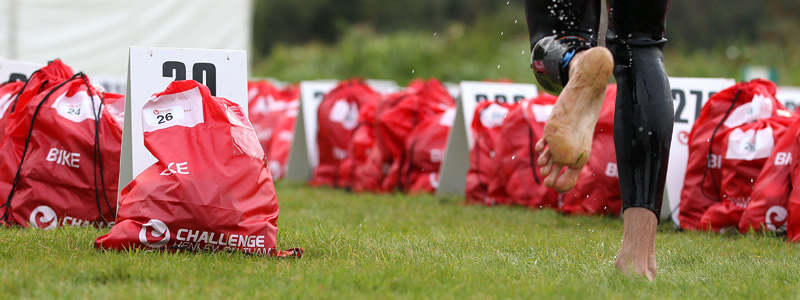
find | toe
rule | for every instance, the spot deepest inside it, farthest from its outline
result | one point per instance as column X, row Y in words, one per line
column 540, row 145
column 567, row 180
column 551, row 178
column 545, row 159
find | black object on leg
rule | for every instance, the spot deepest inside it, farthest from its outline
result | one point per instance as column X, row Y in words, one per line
column 643, row 119
column 558, row 30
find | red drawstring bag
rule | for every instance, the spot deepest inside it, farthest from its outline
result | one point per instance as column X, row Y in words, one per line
column 338, row 117
column 68, row 169
column 790, row 218
column 486, row 127
column 769, row 201
column 398, row 116
column 425, row 149
column 210, row 189
column 745, row 152
column 740, row 104
column 517, row 173
column 262, row 99
column 360, row 145
column 597, row 191
column 273, row 113
column 41, row 80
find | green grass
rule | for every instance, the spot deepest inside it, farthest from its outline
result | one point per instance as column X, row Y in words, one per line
column 395, row 246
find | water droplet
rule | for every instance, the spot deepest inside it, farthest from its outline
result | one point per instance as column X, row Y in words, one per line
column 508, row 2
column 434, row 34
column 523, row 51
column 498, row 66
column 751, row 180
column 412, row 71
column 515, row 21
column 501, row 33
column 514, row 156
column 650, row 133
column 587, row 196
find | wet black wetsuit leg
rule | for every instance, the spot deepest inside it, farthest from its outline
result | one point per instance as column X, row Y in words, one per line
column 558, row 29
column 643, row 118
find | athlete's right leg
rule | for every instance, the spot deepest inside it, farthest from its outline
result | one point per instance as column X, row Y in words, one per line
column 643, row 123
column 566, row 63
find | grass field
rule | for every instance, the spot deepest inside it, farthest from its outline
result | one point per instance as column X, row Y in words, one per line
column 393, row 246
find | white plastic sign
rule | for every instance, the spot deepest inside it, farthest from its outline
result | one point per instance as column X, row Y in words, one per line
column 688, row 96
column 789, row 96
column 14, row 70
column 150, row 70
column 304, row 155
column 456, row 162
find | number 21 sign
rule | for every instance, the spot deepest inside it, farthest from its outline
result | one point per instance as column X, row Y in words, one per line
column 150, row 70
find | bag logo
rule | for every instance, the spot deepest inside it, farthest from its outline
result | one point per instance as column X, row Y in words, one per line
column 159, row 229
column 48, row 218
column 776, row 218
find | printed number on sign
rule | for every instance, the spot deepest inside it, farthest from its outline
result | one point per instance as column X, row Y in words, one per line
column 680, row 96
column 204, row 73
column 499, row 98
column 17, row 77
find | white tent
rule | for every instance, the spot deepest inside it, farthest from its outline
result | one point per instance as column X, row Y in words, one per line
column 94, row 35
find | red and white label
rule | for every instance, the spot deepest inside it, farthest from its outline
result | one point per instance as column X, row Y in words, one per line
column 180, row 109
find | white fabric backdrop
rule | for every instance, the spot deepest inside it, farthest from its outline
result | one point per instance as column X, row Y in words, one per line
column 94, row 35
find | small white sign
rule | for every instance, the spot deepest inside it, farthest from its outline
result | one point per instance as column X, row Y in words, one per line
column 453, row 172
column 789, row 96
column 14, row 70
column 150, row 71
column 303, row 156
column 688, row 96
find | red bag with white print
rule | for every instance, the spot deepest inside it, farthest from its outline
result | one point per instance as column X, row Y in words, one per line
column 745, row 152
column 486, row 127
column 769, row 201
column 597, row 190
column 261, row 101
column 399, row 115
column 338, row 117
column 425, row 151
column 517, row 173
column 69, row 166
column 210, row 189
column 41, row 80
column 740, row 104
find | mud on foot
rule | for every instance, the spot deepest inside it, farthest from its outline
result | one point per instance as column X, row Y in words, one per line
column 567, row 140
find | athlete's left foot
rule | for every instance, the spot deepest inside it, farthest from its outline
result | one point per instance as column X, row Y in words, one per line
column 637, row 255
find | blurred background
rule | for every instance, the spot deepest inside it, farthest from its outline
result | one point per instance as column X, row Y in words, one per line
column 457, row 40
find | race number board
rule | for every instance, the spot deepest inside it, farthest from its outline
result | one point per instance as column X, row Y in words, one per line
column 150, row 70
column 453, row 173
column 789, row 96
column 304, row 155
column 688, row 96
column 14, row 70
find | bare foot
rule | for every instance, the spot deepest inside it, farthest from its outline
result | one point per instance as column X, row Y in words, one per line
column 567, row 138
column 637, row 255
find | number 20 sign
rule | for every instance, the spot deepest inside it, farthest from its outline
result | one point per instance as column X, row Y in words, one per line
column 150, row 70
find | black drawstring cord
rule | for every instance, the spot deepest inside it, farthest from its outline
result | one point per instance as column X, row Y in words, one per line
column 14, row 103
column 6, row 213
column 97, row 157
column 710, row 152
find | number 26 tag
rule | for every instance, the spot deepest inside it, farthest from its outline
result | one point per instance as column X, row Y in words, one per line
column 164, row 116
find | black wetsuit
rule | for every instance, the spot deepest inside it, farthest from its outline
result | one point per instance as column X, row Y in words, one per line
column 643, row 117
